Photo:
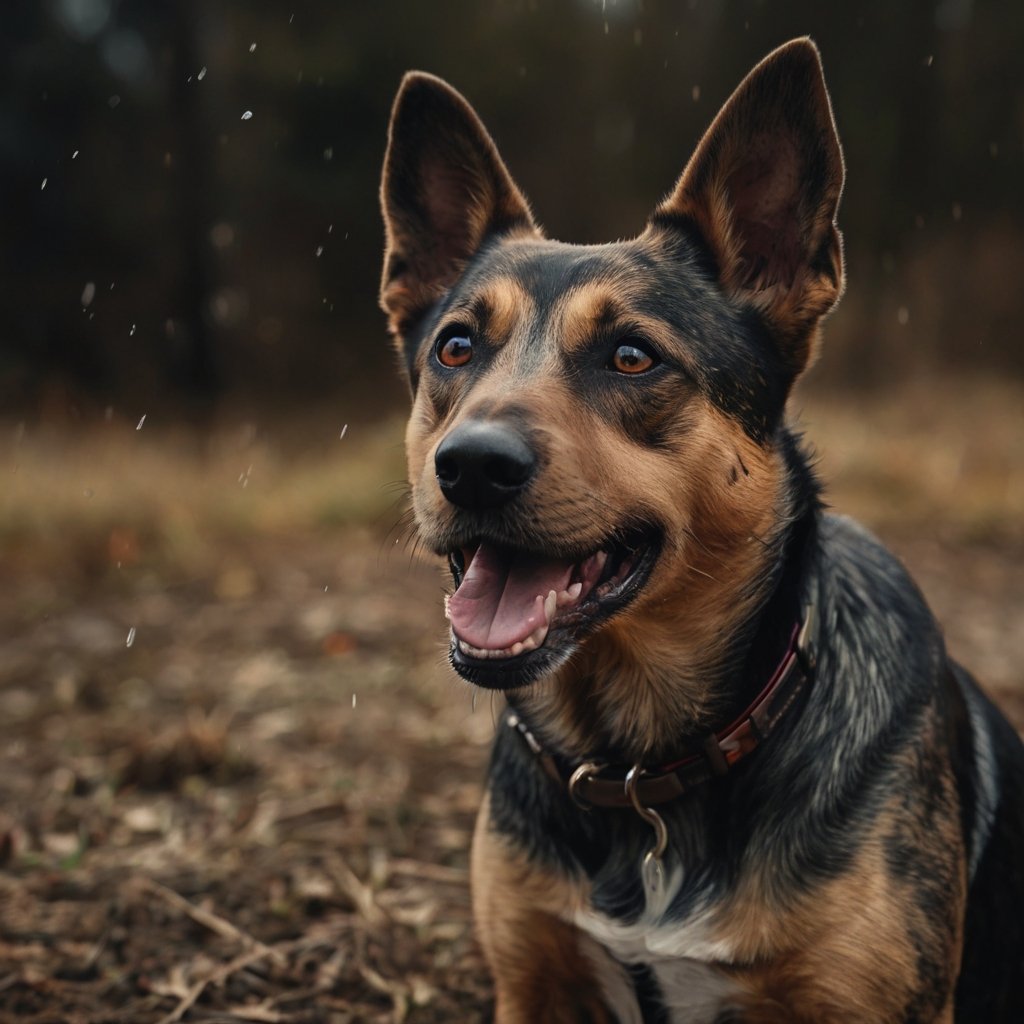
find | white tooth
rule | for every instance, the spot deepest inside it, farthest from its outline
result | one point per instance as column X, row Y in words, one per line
column 447, row 613
column 528, row 644
column 538, row 636
column 575, row 590
column 550, row 603
column 599, row 559
column 517, row 648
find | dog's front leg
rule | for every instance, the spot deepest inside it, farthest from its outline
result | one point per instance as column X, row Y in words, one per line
column 541, row 969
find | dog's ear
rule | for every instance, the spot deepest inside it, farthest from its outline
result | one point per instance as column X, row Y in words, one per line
column 762, row 191
column 444, row 191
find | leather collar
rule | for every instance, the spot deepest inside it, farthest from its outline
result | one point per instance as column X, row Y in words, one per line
column 597, row 784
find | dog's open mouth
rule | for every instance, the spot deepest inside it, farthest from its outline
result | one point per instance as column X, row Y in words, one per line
column 516, row 615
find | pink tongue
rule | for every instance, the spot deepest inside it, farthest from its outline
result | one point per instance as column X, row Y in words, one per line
column 500, row 601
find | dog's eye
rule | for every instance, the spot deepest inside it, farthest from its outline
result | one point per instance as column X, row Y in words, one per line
column 456, row 350
column 631, row 358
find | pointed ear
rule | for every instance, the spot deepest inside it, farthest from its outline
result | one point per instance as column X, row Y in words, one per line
column 762, row 190
column 444, row 191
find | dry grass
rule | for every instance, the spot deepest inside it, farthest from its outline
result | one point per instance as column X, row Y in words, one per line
column 259, row 808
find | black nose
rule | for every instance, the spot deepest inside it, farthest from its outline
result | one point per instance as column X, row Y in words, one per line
column 482, row 465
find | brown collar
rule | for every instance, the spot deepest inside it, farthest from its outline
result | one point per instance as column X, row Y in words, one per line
column 595, row 783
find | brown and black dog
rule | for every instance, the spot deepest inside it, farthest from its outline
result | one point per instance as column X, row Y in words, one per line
column 739, row 778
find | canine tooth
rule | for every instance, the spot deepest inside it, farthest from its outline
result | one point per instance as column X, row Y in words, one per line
column 538, row 636
column 516, row 648
column 575, row 590
column 599, row 559
column 550, row 603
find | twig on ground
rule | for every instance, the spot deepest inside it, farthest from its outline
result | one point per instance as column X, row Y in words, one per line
column 208, row 919
column 361, row 895
column 431, row 872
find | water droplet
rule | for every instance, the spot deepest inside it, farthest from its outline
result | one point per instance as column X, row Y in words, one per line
column 903, row 316
column 291, row 19
column 325, row 588
column 252, row 47
column 88, row 292
column 41, row 187
column 202, row 73
column 74, row 155
column 247, row 116
column 329, row 153
column 695, row 93
column 114, row 102
column 88, row 492
column 958, row 211
column 319, row 251
column 130, row 638
column 344, row 431
column 353, row 700
column 143, row 420
column 132, row 331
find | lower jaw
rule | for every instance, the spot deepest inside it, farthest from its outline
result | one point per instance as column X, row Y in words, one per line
column 513, row 672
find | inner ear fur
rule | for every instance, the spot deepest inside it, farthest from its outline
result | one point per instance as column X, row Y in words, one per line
column 762, row 190
column 444, row 191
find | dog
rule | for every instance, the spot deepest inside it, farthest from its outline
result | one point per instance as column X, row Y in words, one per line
column 738, row 777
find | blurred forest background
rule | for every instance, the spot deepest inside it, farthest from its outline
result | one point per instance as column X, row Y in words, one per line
column 237, row 779
column 190, row 188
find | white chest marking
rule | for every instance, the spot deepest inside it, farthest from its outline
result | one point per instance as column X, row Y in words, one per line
column 680, row 955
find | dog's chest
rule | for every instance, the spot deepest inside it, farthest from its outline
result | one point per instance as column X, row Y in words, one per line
column 652, row 959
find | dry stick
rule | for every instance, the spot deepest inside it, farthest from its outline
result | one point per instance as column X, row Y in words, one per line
column 210, row 920
column 187, row 1001
column 430, row 872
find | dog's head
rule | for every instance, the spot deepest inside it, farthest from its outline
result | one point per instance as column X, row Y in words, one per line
column 594, row 427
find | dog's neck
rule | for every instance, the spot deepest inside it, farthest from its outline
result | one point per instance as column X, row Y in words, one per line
column 647, row 685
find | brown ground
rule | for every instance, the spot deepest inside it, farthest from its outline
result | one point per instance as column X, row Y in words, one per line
column 259, row 808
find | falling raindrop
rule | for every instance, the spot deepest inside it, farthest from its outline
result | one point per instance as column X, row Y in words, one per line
column 130, row 638
column 353, row 700
column 88, row 292
column 143, row 420
column 74, row 155
column 252, row 47
column 132, row 331
column 903, row 316
column 41, row 187
column 319, row 251
column 344, row 431
column 247, row 116
column 202, row 73
column 329, row 153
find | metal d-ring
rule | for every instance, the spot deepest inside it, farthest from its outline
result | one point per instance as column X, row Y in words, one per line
column 582, row 774
column 651, row 816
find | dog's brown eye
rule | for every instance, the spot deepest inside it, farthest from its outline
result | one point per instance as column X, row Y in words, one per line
column 631, row 359
column 455, row 351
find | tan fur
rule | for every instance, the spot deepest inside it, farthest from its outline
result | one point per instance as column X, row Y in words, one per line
column 541, row 970
column 658, row 662
column 868, row 919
